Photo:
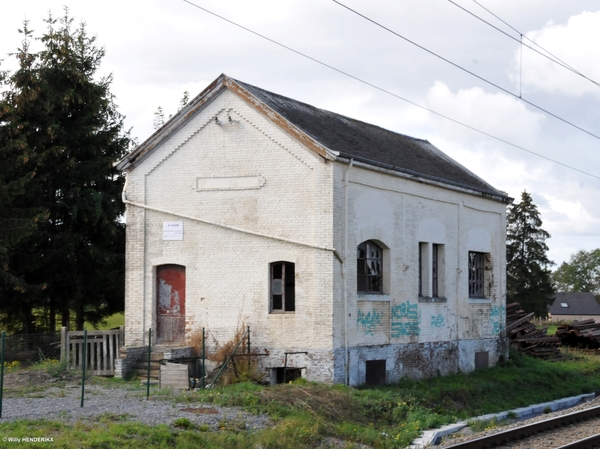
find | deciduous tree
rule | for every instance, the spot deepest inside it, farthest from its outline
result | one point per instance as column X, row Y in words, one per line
column 580, row 274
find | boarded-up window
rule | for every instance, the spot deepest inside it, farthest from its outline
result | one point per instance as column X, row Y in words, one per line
column 282, row 287
column 482, row 360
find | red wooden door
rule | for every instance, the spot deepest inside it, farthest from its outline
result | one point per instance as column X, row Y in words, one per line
column 170, row 303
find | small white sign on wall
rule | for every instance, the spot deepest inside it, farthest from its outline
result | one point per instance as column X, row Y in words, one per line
column 172, row 230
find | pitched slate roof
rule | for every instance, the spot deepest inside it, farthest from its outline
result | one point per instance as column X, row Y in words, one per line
column 333, row 135
column 578, row 303
column 374, row 145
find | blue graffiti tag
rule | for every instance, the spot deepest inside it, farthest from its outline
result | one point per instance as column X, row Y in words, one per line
column 369, row 321
column 437, row 320
column 405, row 320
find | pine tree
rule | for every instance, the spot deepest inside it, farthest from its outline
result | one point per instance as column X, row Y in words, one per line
column 66, row 119
column 18, row 169
column 529, row 279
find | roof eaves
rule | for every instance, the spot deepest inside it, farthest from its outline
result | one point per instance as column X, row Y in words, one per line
column 421, row 177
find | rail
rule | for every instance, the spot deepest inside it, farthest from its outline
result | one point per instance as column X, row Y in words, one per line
column 528, row 430
column 585, row 443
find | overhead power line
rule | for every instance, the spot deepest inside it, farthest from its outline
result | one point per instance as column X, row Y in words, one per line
column 546, row 55
column 469, row 72
column 367, row 83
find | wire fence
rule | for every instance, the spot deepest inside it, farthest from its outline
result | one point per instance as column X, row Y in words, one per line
column 31, row 348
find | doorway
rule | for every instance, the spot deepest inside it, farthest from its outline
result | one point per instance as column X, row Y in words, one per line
column 170, row 303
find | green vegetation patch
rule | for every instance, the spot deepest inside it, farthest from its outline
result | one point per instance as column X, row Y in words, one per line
column 310, row 415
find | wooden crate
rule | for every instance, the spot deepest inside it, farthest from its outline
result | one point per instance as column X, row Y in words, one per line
column 175, row 375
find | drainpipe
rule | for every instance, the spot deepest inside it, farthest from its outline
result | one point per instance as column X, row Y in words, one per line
column 127, row 202
column 344, row 277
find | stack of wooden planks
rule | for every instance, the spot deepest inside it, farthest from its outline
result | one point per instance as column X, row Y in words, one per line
column 580, row 334
column 527, row 338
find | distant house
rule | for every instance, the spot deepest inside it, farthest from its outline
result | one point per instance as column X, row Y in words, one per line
column 574, row 306
column 355, row 254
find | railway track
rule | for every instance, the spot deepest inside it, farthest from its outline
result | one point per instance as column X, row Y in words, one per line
column 537, row 434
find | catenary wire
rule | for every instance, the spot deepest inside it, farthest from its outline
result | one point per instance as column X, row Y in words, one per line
column 381, row 89
column 468, row 71
column 546, row 55
column 533, row 42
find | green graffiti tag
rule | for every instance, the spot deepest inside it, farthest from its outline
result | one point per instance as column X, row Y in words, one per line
column 369, row 321
column 498, row 319
column 405, row 320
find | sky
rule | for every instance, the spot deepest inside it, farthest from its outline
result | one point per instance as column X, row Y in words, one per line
column 453, row 72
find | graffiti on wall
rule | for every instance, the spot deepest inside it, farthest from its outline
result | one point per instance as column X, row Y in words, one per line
column 405, row 320
column 498, row 319
column 437, row 320
column 369, row 321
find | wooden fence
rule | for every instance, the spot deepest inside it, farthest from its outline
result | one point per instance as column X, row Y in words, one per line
column 102, row 350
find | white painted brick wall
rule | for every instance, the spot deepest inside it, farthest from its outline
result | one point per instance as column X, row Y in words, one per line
column 401, row 213
column 303, row 198
column 227, row 272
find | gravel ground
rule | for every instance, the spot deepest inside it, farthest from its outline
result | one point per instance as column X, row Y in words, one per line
column 63, row 403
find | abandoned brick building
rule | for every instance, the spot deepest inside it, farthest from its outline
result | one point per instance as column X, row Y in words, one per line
column 372, row 254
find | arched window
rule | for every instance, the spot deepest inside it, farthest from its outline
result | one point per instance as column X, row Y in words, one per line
column 369, row 268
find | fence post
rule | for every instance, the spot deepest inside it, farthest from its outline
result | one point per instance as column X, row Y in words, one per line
column 121, row 338
column 203, row 361
column 67, row 349
column 2, row 371
column 84, row 365
column 149, row 358
column 63, row 341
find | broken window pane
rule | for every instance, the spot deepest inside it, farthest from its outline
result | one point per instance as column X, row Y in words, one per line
column 282, row 287
column 476, row 275
column 369, row 263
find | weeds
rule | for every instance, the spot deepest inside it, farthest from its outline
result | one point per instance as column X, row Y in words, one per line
column 479, row 425
column 11, row 367
column 183, row 423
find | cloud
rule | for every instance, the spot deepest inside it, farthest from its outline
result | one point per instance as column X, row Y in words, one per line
column 497, row 114
column 574, row 43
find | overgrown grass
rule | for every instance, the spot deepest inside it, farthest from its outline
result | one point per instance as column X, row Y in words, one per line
column 305, row 414
column 110, row 322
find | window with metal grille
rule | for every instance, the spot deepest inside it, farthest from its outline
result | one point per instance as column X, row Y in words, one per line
column 476, row 274
column 282, row 287
column 369, row 268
